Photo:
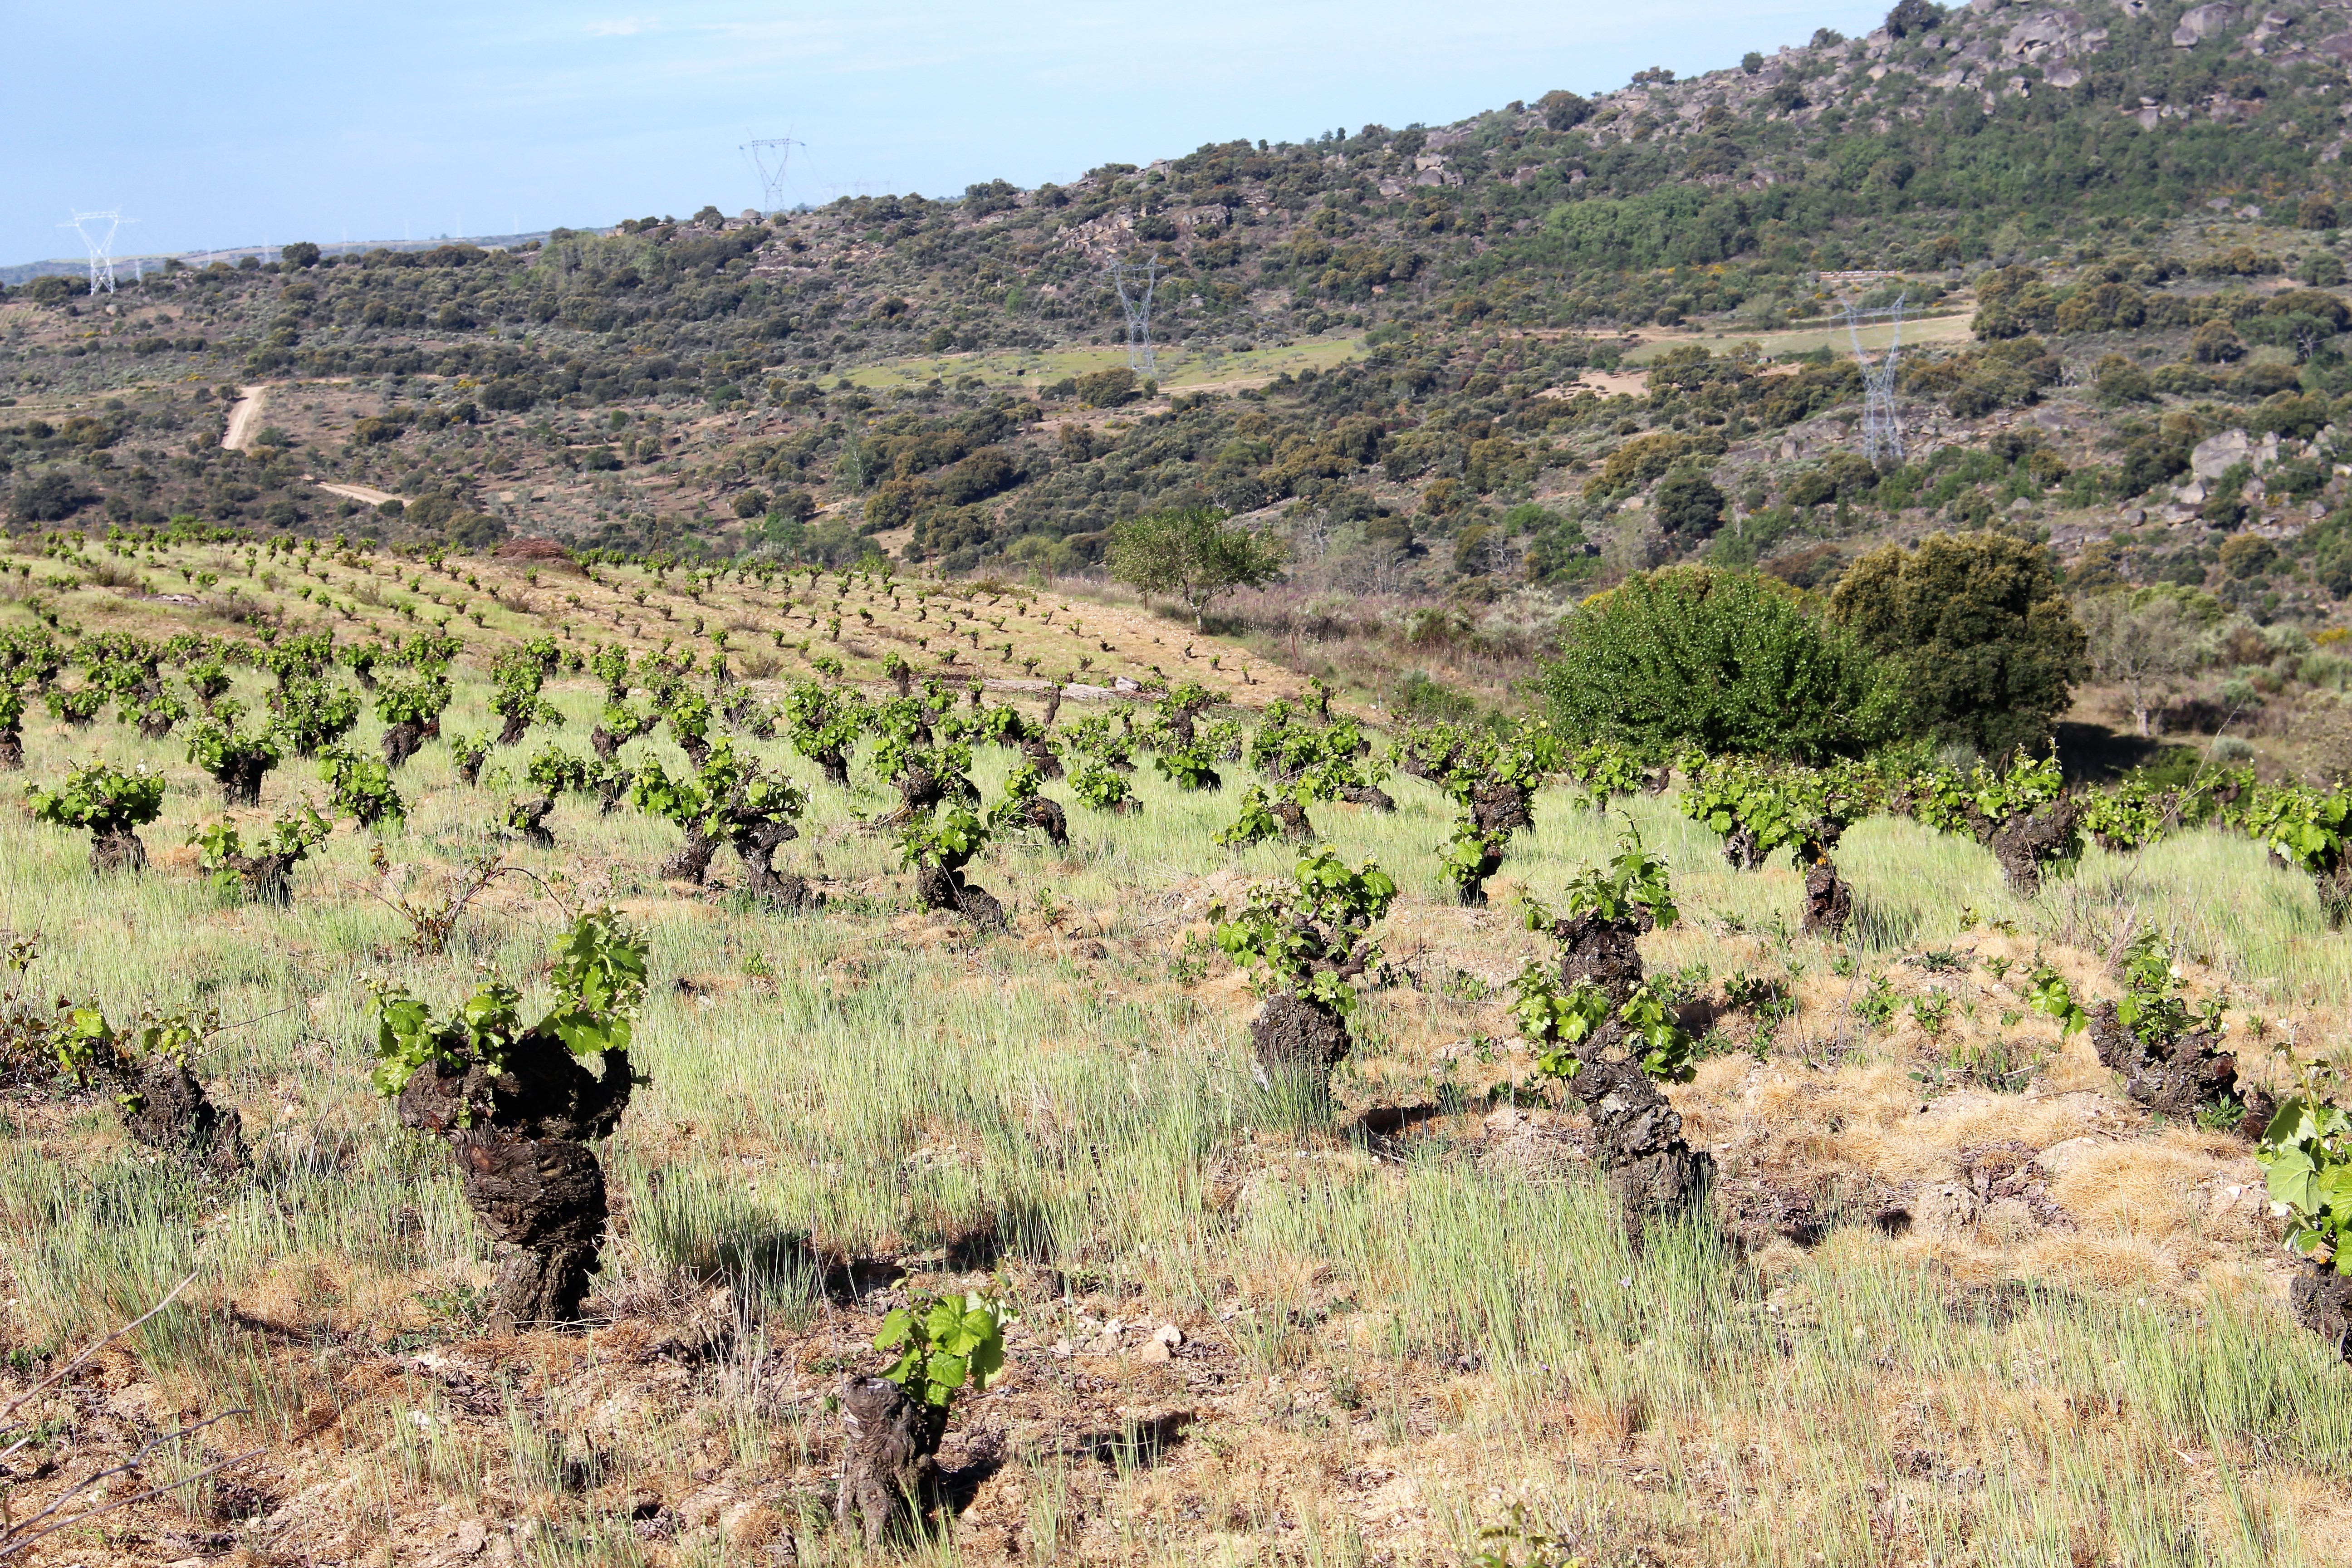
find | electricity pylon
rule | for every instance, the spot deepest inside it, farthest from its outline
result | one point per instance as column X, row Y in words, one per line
column 1135, row 282
column 100, row 243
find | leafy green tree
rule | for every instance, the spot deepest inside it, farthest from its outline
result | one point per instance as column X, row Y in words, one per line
column 1190, row 554
column 1986, row 646
column 1727, row 661
column 1688, row 502
column 1912, row 17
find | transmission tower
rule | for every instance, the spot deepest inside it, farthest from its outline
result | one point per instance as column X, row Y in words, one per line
column 765, row 152
column 96, row 231
column 1882, row 430
column 1135, row 282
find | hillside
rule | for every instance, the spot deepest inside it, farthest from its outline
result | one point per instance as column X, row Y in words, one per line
column 1456, row 292
column 617, row 949
column 2030, row 1306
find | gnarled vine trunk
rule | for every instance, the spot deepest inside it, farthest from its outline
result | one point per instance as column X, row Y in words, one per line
column 1041, row 756
column 941, row 888
column 2028, row 841
column 1828, row 902
column 1298, row 1037
column 167, row 1109
column 530, row 820
column 1740, row 850
column 266, row 879
column 1498, row 807
column 755, row 845
column 1602, row 952
column 2321, row 1300
column 240, row 779
column 1368, row 796
column 402, row 741
column 2179, row 1076
column 1471, row 890
column 921, row 790
column 521, row 1136
column 115, row 848
column 1654, row 1173
column 1293, row 817
column 889, row 1468
column 516, row 726
column 1047, row 817
column 12, row 750
column 692, row 861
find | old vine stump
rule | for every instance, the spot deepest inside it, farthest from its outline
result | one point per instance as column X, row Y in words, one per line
column 890, row 1471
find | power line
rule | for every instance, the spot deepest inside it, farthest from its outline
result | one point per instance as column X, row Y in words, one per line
column 101, row 244
column 1881, row 428
column 1135, row 282
column 765, row 152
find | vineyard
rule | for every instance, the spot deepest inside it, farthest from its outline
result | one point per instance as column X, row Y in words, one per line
column 575, row 1060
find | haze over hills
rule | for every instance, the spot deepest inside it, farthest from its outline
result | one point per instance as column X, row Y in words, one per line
column 1462, row 358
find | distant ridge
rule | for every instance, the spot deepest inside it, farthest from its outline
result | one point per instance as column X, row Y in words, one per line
column 77, row 267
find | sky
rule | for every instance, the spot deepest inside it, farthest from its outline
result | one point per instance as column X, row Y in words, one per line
column 270, row 122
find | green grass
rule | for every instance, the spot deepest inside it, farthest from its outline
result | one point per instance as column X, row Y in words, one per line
column 1081, row 1131
column 1179, row 368
column 1833, row 336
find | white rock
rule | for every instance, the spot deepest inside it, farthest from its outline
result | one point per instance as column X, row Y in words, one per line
column 2058, row 1158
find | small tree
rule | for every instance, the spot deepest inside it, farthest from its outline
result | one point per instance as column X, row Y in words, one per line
column 110, row 804
column 519, row 1109
column 236, row 761
column 1985, row 643
column 2144, row 644
column 1725, row 662
column 1188, row 553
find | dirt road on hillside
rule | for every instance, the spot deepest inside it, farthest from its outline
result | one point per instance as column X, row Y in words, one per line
column 244, row 418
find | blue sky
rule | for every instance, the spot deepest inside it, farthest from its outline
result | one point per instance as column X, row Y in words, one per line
column 276, row 122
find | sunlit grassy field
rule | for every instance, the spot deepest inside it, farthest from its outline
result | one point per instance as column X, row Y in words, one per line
column 1181, row 368
column 1389, row 1339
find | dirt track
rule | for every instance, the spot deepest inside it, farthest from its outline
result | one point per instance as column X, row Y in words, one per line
column 244, row 418
column 359, row 492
